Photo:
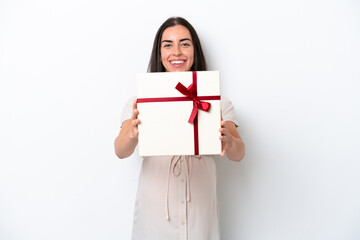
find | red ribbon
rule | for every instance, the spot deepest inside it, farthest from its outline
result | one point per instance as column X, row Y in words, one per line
column 191, row 95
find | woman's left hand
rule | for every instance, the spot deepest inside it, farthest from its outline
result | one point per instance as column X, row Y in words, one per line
column 225, row 138
column 232, row 144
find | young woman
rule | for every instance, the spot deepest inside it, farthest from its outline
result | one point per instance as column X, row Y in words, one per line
column 176, row 196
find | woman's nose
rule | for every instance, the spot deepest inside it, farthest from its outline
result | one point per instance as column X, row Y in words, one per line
column 177, row 51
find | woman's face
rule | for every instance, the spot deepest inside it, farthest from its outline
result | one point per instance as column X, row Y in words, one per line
column 177, row 50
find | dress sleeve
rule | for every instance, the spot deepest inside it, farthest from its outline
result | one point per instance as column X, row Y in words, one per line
column 227, row 111
column 127, row 110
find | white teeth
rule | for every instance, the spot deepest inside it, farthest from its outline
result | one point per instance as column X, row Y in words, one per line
column 177, row 62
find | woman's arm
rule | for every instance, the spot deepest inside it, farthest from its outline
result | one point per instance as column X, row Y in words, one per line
column 127, row 139
column 232, row 144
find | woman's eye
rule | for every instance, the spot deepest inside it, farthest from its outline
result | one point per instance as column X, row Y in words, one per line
column 167, row 45
column 185, row 44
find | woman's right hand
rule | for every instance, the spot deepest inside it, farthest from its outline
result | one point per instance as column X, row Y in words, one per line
column 134, row 121
column 127, row 139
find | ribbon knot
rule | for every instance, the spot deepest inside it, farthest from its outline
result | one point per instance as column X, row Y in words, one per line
column 191, row 93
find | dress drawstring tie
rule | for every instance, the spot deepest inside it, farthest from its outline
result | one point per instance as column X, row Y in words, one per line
column 175, row 168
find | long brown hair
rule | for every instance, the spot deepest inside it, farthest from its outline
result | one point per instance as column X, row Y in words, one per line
column 155, row 64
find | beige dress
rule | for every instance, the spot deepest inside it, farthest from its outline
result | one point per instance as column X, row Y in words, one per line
column 176, row 198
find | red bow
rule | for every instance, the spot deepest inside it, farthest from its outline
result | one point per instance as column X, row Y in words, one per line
column 191, row 92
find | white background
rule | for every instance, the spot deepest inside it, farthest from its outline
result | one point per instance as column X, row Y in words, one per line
column 291, row 69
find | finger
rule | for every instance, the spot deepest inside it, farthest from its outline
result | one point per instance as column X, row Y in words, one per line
column 222, row 123
column 135, row 132
column 135, row 114
column 223, row 131
column 135, row 111
column 222, row 148
column 135, row 122
column 135, row 128
column 223, row 152
column 223, row 138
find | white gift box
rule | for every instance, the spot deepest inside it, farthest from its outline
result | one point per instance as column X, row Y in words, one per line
column 164, row 113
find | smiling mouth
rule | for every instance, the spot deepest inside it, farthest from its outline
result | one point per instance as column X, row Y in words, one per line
column 177, row 62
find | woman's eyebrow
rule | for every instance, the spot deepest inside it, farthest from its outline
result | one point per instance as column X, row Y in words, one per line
column 181, row 40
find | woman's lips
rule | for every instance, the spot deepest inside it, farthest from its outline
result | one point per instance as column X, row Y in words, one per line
column 177, row 63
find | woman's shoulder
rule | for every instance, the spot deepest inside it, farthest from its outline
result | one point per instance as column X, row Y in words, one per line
column 225, row 101
column 227, row 110
column 130, row 100
column 127, row 109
